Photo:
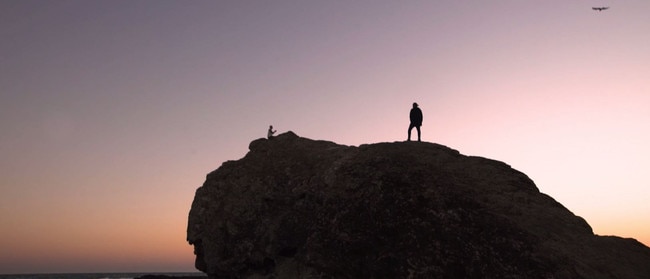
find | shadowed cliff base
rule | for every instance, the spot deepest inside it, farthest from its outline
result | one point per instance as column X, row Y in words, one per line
column 300, row 208
column 157, row 276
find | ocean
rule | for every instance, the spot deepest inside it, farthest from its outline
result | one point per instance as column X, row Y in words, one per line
column 93, row 275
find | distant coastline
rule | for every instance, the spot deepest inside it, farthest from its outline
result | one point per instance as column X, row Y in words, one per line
column 116, row 275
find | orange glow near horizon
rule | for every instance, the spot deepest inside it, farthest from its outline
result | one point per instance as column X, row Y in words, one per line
column 119, row 241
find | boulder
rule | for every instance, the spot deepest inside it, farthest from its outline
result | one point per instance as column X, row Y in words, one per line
column 300, row 208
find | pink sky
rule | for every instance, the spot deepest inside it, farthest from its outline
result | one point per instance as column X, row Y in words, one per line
column 113, row 112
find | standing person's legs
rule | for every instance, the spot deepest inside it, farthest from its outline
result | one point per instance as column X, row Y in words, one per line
column 411, row 128
column 417, row 127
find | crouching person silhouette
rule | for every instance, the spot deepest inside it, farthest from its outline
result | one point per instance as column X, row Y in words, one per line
column 271, row 132
column 416, row 120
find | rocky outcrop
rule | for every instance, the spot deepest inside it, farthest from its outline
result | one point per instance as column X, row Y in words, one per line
column 160, row 276
column 300, row 208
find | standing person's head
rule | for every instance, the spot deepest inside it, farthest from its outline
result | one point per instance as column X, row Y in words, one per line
column 415, row 105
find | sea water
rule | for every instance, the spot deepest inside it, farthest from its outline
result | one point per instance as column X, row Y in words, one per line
column 91, row 275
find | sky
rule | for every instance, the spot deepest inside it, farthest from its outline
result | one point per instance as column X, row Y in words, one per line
column 112, row 112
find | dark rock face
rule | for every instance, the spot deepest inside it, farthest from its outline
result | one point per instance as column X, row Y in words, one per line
column 299, row 208
column 155, row 276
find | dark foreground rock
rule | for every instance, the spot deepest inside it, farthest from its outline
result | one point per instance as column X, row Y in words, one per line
column 299, row 208
column 153, row 276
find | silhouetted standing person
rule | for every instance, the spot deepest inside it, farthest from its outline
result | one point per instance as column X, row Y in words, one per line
column 271, row 132
column 416, row 120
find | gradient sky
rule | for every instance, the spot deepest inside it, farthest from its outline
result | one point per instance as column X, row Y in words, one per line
column 112, row 112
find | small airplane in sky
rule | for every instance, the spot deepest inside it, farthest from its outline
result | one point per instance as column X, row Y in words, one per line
column 600, row 9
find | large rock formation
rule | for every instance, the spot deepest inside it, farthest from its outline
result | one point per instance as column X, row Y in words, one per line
column 299, row 208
